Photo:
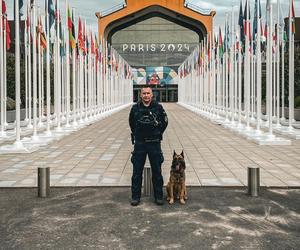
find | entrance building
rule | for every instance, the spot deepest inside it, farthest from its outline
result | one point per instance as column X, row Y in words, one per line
column 155, row 37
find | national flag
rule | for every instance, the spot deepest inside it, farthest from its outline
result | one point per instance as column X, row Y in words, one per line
column 7, row 30
column 3, row 7
column 292, row 8
column 43, row 39
column 257, row 8
column 247, row 26
column 70, row 29
column 221, row 49
column 80, row 35
column 51, row 13
column 92, row 44
column 21, row 3
column 241, row 23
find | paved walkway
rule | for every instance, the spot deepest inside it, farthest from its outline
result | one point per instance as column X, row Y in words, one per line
column 99, row 155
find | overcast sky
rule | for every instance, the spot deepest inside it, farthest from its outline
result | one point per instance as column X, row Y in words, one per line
column 87, row 8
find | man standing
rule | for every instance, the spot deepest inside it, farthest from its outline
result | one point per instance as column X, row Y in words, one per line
column 148, row 121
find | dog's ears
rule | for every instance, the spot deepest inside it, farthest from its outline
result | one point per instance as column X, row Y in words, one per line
column 174, row 153
column 182, row 154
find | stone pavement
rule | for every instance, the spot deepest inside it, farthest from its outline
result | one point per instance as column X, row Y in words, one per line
column 99, row 155
column 102, row 218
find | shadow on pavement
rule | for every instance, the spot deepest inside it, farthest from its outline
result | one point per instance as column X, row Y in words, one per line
column 102, row 218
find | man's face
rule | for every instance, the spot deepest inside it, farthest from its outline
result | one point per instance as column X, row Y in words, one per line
column 146, row 95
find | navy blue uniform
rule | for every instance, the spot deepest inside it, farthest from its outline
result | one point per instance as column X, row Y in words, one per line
column 147, row 126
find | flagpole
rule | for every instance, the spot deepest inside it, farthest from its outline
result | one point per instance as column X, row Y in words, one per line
column 18, row 143
column 73, row 76
column 270, row 72
column 58, row 60
column 48, row 98
column 291, row 70
column 278, row 66
column 39, row 70
column 3, row 133
column 29, row 72
column 247, row 69
column 282, row 76
column 26, row 70
column 258, row 72
column 67, row 66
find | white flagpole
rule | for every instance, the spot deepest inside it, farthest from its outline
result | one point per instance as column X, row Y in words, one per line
column 258, row 73
column 26, row 70
column 291, row 70
column 67, row 68
column 247, row 69
column 231, row 73
column 39, row 74
column 18, row 143
column 29, row 72
column 278, row 65
column 74, row 78
column 34, row 137
column 48, row 99
column 282, row 76
column 2, row 74
column 58, row 61
column 270, row 72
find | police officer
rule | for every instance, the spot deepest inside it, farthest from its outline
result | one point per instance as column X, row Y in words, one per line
column 148, row 120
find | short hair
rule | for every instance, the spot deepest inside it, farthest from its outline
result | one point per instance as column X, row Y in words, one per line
column 146, row 88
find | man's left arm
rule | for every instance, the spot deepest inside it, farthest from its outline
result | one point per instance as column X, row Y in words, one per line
column 163, row 119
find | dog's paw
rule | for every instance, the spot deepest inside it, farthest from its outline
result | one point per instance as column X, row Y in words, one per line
column 171, row 201
column 182, row 201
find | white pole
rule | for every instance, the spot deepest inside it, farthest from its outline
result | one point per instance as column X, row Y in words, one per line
column 74, row 79
column 48, row 99
column 278, row 65
column 282, row 76
column 291, row 70
column 270, row 72
column 247, row 69
column 2, row 73
column 17, row 73
column 26, row 70
column 258, row 73
column 67, row 67
column 29, row 73
column 34, row 74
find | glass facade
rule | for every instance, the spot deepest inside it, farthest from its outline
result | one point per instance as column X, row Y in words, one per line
column 155, row 42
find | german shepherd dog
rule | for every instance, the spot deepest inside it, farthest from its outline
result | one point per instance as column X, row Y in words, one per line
column 176, row 185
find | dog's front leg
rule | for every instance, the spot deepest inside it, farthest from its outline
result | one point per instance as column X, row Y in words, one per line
column 182, row 193
column 171, row 201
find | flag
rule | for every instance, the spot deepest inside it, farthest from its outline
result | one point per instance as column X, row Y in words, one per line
column 241, row 23
column 21, row 3
column 247, row 28
column 70, row 29
column 7, row 29
column 51, row 13
column 257, row 7
column 43, row 39
column 6, row 25
column 80, row 35
column 221, row 51
column 3, row 7
column 292, row 16
column 92, row 44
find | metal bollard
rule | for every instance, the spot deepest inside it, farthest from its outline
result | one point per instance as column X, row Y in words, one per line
column 253, row 181
column 43, row 182
column 148, row 188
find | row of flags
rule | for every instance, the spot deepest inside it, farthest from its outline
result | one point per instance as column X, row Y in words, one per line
column 85, row 42
column 219, row 44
